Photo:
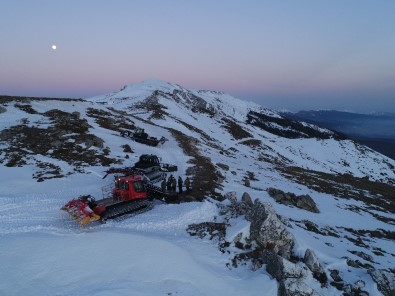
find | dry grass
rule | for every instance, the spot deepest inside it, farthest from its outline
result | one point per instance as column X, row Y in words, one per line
column 111, row 120
column 205, row 178
column 377, row 196
column 234, row 129
column 67, row 138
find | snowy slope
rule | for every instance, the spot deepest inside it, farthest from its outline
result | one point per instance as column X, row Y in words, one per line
column 151, row 253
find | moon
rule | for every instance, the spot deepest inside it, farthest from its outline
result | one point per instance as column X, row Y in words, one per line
column 54, row 47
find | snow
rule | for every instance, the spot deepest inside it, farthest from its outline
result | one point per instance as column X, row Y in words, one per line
column 114, row 263
column 44, row 252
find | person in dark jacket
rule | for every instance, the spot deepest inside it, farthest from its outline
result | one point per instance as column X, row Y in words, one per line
column 169, row 183
column 179, row 184
column 173, row 184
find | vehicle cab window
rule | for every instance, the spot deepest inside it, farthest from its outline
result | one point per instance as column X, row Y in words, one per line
column 138, row 186
column 122, row 185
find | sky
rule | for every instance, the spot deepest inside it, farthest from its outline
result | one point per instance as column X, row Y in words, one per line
column 293, row 55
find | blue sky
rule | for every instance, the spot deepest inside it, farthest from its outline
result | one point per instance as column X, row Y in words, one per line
column 282, row 54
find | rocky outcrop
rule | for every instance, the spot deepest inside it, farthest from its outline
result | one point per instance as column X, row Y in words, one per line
column 210, row 229
column 269, row 243
column 275, row 243
column 269, row 231
column 281, row 268
column 291, row 276
column 385, row 281
column 293, row 287
column 355, row 289
column 300, row 201
column 267, row 228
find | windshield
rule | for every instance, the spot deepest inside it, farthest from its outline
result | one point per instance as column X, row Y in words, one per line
column 122, row 185
column 138, row 186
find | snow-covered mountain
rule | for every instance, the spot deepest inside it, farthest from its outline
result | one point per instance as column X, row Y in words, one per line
column 52, row 150
column 374, row 130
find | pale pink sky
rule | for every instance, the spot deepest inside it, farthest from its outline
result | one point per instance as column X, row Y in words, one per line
column 281, row 54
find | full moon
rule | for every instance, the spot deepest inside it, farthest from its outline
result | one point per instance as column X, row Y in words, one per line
column 53, row 47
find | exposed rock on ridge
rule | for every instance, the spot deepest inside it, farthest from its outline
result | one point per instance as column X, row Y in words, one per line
column 300, row 201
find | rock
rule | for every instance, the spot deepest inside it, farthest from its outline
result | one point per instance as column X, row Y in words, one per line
column 300, row 201
column 237, row 238
column 281, row 268
column 273, row 191
column 355, row 289
column 291, row 278
column 295, row 287
column 269, row 231
column 359, row 284
column 385, row 281
column 207, row 229
column 93, row 141
column 231, row 196
column 245, row 206
column 247, row 182
column 2, row 109
column 363, row 255
column 75, row 115
column 311, row 260
column 335, row 275
column 358, row 264
column 246, row 198
column 237, row 208
column 307, row 203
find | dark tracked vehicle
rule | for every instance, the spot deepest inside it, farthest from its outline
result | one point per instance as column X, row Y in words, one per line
column 140, row 136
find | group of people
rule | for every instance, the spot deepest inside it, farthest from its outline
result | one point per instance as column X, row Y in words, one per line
column 171, row 184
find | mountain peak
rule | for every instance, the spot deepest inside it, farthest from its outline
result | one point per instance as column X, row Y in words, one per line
column 168, row 93
column 135, row 91
column 154, row 84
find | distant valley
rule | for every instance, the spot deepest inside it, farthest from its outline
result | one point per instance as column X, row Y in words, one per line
column 376, row 131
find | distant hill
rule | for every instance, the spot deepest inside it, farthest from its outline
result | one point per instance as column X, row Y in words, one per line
column 376, row 131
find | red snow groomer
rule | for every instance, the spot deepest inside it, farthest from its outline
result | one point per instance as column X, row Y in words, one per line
column 129, row 194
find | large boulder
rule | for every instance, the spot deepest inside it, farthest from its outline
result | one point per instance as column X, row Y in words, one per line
column 290, row 276
column 295, row 287
column 269, row 231
column 274, row 244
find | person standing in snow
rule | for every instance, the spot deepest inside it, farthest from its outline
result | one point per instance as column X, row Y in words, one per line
column 180, row 184
column 187, row 183
column 169, row 183
column 163, row 185
column 173, row 184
